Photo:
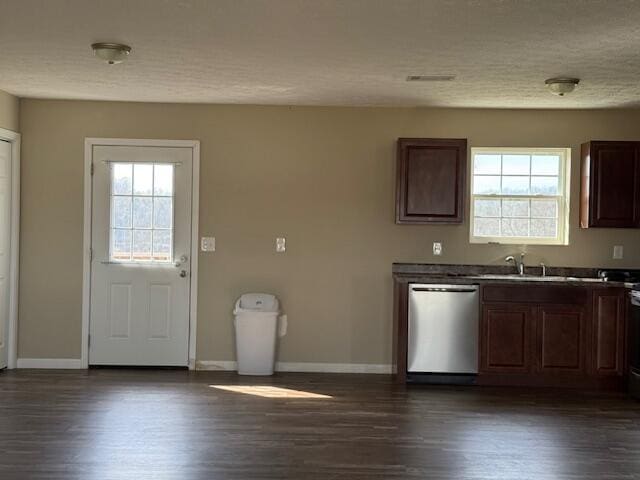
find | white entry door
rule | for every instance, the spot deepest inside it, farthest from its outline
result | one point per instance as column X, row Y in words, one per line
column 5, row 245
column 140, row 268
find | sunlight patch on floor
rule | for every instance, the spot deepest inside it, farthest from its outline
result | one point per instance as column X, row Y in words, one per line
column 269, row 392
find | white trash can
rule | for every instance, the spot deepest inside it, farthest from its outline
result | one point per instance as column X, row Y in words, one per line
column 256, row 322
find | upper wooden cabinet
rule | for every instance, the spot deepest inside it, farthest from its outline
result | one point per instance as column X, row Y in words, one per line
column 610, row 185
column 431, row 179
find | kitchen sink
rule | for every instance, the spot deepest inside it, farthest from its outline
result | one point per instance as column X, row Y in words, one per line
column 535, row 278
column 522, row 278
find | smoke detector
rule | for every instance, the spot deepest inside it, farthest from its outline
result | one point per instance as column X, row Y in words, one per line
column 111, row 53
column 561, row 85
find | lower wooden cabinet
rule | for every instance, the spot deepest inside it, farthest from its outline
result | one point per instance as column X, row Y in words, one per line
column 609, row 308
column 547, row 343
column 506, row 333
column 561, row 339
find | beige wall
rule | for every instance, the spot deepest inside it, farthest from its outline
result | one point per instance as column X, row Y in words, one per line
column 322, row 177
column 9, row 111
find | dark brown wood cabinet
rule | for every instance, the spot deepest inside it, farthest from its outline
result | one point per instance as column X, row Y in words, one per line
column 561, row 339
column 526, row 338
column 552, row 335
column 608, row 332
column 431, row 179
column 610, row 185
column 506, row 333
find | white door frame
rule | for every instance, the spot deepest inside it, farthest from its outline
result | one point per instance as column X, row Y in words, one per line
column 12, row 335
column 89, row 143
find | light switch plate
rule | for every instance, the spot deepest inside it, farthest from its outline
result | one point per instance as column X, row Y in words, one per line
column 208, row 244
column 618, row 252
column 437, row 248
column 281, row 246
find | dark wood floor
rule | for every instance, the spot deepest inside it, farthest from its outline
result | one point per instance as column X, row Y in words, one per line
column 122, row 424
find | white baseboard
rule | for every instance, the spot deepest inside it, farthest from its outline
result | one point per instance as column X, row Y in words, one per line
column 223, row 365
column 305, row 367
column 50, row 363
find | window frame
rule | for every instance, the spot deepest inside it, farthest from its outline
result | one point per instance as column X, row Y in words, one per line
column 563, row 197
column 132, row 228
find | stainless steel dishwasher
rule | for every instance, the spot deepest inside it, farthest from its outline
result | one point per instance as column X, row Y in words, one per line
column 443, row 333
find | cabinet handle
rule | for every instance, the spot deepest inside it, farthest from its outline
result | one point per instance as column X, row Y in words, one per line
column 456, row 290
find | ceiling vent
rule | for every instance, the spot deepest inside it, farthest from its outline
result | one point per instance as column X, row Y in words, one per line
column 430, row 78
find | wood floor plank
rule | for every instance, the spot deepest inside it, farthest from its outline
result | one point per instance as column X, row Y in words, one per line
column 146, row 424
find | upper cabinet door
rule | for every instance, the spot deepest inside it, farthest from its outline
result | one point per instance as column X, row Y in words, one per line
column 610, row 189
column 431, row 177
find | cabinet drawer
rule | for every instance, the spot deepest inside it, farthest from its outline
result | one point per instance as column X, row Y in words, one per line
column 534, row 294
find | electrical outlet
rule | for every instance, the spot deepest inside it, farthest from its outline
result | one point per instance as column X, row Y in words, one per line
column 208, row 244
column 281, row 246
column 618, row 252
column 437, row 248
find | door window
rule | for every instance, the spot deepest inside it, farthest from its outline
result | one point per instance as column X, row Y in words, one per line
column 142, row 199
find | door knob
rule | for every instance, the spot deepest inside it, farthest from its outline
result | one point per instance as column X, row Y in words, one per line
column 183, row 273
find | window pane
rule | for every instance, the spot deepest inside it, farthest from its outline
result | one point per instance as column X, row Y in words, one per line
column 121, row 214
column 544, row 227
column 486, row 208
column 486, row 185
column 515, row 227
column 544, row 208
column 486, row 164
column 142, row 245
column 545, row 165
column 143, row 203
column 162, row 212
column 515, row 164
column 163, row 180
column 143, row 179
column 121, row 244
column 162, row 245
column 515, row 185
column 509, row 189
column 544, row 185
column 486, row 227
column 121, row 182
column 515, row 208
column 142, row 210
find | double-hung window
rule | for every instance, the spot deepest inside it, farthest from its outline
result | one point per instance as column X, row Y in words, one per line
column 520, row 195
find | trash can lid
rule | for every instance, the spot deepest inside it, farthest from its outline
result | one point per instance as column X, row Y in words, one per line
column 257, row 302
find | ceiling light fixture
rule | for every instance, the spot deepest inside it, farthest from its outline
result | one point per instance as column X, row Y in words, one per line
column 111, row 53
column 430, row 78
column 561, row 85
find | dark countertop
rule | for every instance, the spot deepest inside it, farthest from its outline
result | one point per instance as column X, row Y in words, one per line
column 479, row 274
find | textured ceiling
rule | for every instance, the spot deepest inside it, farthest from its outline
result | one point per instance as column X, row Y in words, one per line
column 325, row 52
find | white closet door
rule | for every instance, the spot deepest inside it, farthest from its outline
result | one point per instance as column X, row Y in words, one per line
column 5, row 245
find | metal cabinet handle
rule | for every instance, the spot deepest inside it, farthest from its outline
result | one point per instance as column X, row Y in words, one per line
column 456, row 290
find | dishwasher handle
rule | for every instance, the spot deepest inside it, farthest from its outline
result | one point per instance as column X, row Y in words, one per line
column 445, row 289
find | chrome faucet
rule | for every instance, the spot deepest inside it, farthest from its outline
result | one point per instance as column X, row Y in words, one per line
column 519, row 265
column 544, row 269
